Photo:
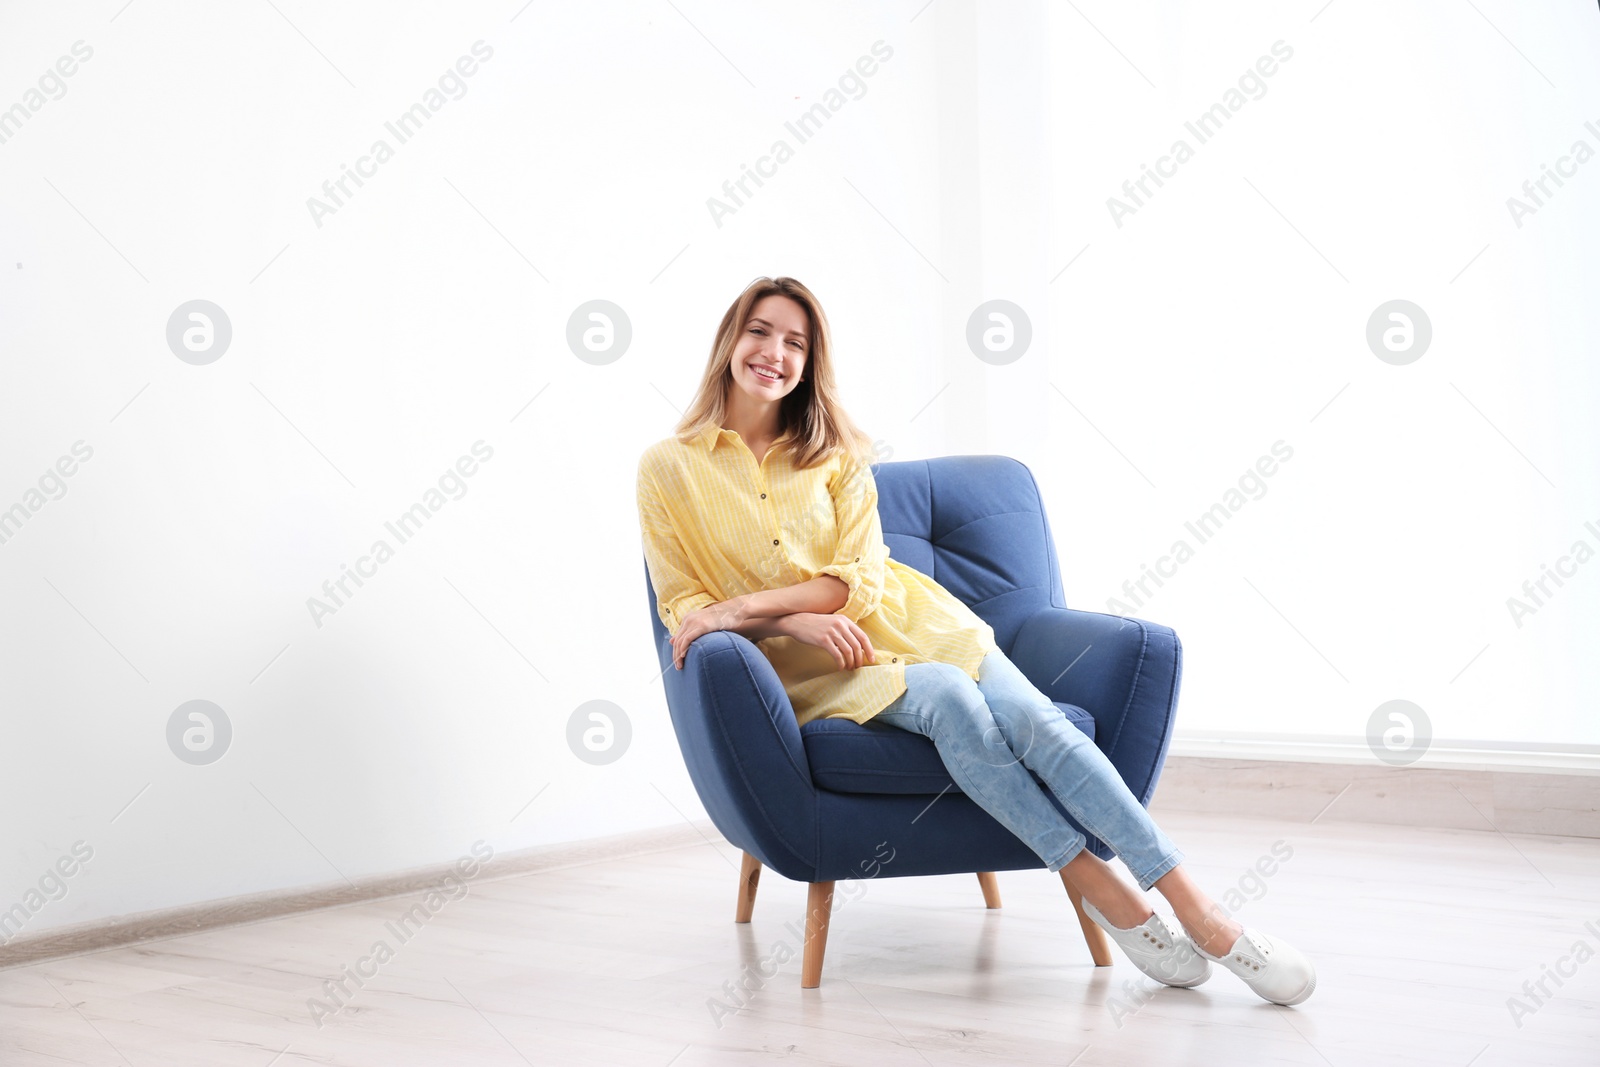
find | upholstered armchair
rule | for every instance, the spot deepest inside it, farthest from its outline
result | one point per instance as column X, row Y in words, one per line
column 822, row 803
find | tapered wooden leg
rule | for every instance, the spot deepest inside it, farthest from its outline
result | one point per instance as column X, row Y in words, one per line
column 1099, row 943
column 991, row 889
column 749, row 875
column 819, row 908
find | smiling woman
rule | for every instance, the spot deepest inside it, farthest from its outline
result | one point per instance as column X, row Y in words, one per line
column 761, row 517
column 767, row 450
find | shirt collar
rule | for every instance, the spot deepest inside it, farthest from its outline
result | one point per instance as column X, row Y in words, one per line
column 711, row 433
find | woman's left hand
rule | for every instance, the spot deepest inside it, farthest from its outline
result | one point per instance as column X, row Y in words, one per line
column 724, row 615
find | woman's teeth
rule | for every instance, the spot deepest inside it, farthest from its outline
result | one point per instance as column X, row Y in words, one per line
column 765, row 374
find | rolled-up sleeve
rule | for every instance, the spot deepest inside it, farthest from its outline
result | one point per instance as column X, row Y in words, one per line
column 859, row 559
column 678, row 590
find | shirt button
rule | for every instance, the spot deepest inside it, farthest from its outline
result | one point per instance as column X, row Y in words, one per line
column 763, row 496
column 774, row 540
column 895, row 660
column 858, row 559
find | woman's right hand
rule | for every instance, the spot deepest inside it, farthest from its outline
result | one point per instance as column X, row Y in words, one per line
column 838, row 636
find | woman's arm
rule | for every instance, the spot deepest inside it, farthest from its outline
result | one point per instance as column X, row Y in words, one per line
column 759, row 629
column 860, row 557
column 678, row 588
column 764, row 613
column 822, row 595
column 727, row 615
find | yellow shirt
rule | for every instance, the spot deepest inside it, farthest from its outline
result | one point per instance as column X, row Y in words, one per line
column 717, row 525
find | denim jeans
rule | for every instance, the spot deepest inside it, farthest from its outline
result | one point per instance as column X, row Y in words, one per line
column 992, row 732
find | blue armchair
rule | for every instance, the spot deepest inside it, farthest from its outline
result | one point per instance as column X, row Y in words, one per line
column 840, row 799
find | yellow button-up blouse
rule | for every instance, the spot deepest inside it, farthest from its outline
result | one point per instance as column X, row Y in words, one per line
column 716, row 524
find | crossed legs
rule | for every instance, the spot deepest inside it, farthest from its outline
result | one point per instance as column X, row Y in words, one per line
column 991, row 734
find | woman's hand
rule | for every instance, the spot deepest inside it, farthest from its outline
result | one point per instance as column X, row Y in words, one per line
column 723, row 615
column 835, row 634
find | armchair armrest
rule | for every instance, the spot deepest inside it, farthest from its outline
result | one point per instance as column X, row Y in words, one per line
column 1123, row 671
column 742, row 746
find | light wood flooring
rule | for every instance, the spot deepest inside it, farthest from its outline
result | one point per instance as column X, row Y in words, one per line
column 1420, row 937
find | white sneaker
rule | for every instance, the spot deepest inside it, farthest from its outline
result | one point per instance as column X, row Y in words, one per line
column 1275, row 969
column 1154, row 950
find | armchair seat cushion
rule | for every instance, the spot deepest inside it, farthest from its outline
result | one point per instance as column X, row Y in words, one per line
column 851, row 757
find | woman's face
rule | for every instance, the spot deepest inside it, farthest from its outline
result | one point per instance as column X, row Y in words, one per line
column 771, row 352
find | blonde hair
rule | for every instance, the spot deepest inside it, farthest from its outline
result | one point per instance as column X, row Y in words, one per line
column 812, row 423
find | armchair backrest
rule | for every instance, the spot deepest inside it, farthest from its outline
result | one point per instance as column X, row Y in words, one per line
column 977, row 526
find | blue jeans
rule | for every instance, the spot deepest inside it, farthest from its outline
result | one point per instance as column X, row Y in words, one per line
column 992, row 732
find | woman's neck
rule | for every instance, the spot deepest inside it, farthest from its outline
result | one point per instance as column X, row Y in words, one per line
column 752, row 419
column 753, row 427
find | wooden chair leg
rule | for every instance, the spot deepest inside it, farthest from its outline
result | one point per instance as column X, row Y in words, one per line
column 819, row 907
column 749, row 875
column 991, row 889
column 1099, row 943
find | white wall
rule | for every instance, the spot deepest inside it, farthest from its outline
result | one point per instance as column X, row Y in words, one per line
column 1230, row 310
column 430, row 312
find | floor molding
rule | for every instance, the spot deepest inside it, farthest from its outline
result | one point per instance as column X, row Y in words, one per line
column 1440, row 753
column 98, row 935
column 1509, row 800
column 1496, row 799
column 1422, row 945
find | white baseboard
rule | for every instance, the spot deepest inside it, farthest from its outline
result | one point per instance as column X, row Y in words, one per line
column 1441, row 754
column 100, row 934
column 1534, row 790
column 1474, row 794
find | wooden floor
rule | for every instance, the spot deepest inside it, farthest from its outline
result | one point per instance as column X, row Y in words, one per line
column 1420, row 937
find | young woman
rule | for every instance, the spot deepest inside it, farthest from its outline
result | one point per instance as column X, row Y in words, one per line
column 760, row 516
